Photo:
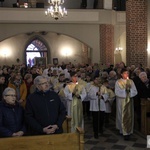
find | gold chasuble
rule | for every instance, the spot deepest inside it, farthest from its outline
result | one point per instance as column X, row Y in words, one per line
column 76, row 107
column 127, row 112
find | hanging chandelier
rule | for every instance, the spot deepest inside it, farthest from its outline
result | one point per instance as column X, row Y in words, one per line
column 55, row 10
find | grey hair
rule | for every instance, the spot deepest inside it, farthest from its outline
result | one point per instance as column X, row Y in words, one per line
column 38, row 78
column 142, row 74
column 104, row 74
column 27, row 76
column 113, row 72
column 7, row 90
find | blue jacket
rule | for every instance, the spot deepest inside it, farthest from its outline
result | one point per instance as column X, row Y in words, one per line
column 11, row 119
column 44, row 109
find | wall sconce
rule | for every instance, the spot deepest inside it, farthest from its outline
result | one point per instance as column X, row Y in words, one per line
column 148, row 50
column 66, row 51
column 25, row 5
column 119, row 49
column 5, row 57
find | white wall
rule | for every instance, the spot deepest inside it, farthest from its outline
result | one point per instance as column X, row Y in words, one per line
column 14, row 47
column 82, row 25
column 58, row 42
column 11, row 49
column 88, row 34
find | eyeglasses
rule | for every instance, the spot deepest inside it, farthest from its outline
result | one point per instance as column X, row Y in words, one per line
column 11, row 95
column 44, row 83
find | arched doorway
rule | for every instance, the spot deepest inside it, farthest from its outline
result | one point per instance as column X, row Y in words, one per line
column 36, row 53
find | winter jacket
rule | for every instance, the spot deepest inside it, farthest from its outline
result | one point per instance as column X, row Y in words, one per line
column 44, row 109
column 11, row 119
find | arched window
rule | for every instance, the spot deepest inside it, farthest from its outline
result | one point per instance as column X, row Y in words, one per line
column 36, row 53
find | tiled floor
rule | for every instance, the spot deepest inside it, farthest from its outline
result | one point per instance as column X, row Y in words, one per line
column 111, row 139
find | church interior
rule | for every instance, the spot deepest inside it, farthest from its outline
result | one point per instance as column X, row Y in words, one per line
column 93, row 32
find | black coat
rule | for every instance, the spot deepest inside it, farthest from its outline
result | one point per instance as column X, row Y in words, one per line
column 44, row 109
column 143, row 90
column 2, row 88
column 11, row 119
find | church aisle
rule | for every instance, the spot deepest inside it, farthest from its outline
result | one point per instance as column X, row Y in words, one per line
column 111, row 139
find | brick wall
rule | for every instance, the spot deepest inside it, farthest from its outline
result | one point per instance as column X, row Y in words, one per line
column 136, row 28
column 106, row 44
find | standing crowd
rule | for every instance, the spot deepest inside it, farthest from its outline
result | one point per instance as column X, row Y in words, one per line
column 36, row 100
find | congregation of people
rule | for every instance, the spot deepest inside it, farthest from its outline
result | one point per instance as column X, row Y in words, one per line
column 36, row 100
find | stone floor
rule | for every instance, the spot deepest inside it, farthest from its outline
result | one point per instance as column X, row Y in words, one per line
column 111, row 139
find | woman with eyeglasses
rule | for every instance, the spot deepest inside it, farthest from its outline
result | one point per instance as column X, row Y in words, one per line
column 11, row 115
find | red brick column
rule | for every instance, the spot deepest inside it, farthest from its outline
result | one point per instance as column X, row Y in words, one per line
column 136, row 28
column 106, row 44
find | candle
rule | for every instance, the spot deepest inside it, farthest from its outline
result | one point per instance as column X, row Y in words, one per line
column 128, row 84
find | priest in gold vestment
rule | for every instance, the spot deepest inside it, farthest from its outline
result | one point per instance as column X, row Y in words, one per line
column 125, row 90
column 75, row 93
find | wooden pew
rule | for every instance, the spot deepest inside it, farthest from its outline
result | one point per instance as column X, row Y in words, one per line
column 64, row 141
column 67, row 125
column 145, row 121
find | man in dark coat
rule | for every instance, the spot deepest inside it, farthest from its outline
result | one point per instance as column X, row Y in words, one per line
column 44, row 112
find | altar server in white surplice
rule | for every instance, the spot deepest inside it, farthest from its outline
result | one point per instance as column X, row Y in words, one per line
column 97, row 96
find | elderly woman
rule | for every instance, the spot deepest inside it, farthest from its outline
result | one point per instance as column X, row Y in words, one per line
column 11, row 115
column 143, row 86
column 104, row 76
column 112, row 79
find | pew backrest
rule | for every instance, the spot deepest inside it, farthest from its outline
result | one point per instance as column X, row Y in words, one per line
column 64, row 141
